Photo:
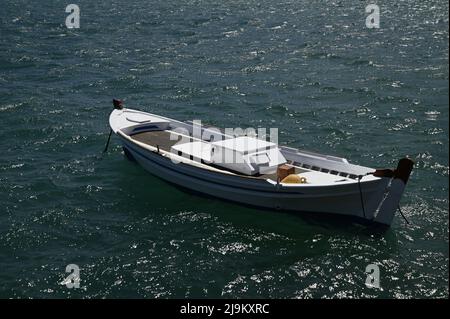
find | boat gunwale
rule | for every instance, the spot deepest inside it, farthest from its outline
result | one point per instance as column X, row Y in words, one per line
column 368, row 184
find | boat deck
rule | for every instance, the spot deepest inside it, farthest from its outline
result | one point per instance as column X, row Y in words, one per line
column 161, row 139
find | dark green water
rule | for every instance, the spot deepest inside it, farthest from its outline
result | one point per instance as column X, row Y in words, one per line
column 311, row 68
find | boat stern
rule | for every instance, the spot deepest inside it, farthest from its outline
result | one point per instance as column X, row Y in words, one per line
column 386, row 209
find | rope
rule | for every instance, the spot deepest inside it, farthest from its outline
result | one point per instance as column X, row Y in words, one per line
column 361, row 195
column 401, row 213
column 362, row 201
column 107, row 143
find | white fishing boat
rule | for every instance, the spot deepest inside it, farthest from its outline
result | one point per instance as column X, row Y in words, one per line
column 261, row 173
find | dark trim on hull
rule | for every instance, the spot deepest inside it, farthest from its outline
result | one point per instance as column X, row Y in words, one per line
column 128, row 155
column 315, row 215
column 215, row 182
column 307, row 215
column 336, row 218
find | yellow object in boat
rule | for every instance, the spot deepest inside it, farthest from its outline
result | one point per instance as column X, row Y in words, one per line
column 294, row 179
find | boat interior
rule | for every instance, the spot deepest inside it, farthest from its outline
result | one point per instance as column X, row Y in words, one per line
column 306, row 165
column 261, row 159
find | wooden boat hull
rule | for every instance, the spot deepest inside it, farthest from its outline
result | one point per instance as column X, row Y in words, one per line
column 374, row 199
column 335, row 200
